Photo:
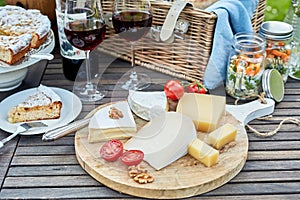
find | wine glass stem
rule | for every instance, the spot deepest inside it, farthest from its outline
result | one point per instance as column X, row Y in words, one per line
column 133, row 74
column 89, row 84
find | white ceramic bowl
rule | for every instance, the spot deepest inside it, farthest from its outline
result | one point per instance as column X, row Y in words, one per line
column 12, row 79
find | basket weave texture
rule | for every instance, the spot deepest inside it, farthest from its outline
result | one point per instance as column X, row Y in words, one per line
column 184, row 58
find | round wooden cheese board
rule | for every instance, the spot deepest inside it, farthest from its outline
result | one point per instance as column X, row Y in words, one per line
column 185, row 177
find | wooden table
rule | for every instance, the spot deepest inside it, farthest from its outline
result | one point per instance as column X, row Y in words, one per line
column 33, row 169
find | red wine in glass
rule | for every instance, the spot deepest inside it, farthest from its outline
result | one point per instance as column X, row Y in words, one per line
column 82, row 37
column 132, row 25
column 85, row 29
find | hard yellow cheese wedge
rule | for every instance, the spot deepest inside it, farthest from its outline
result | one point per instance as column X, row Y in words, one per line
column 206, row 111
column 222, row 136
column 203, row 152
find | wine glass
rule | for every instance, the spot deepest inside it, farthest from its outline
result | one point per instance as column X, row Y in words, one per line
column 132, row 19
column 85, row 28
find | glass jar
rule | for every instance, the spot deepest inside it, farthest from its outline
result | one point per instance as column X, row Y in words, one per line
column 293, row 18
column 279, row 38
column 246, row 66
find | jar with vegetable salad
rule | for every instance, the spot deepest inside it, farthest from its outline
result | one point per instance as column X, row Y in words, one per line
column 246, row 66
column 279, row 37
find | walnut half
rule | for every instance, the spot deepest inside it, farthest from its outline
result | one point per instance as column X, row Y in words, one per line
column 115, row 113
column 143, row 178
column 133, row 170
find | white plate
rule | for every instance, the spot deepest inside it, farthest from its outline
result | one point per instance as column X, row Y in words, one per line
column 71, row 107
column 46, row 47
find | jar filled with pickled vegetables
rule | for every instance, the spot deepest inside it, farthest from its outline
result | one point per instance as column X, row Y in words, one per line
column 279, row 37
column 246, row 66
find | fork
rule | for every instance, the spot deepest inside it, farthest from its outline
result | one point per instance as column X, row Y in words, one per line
column 22, row 128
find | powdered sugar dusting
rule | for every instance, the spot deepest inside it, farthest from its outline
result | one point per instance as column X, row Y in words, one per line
column 42, row 97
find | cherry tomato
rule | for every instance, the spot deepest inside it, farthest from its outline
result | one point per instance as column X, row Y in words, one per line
column 111, row 150
column 174, row 89
column 196, row 87
column 132, row 157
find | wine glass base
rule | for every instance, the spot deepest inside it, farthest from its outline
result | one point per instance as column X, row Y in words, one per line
column 90, row 92
column 141, row 82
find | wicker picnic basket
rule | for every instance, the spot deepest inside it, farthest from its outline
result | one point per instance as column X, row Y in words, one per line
column 184, row 58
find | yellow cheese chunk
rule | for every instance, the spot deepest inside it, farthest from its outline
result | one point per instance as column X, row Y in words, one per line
column 222, row 136
column 206, row 111
column 203, row 152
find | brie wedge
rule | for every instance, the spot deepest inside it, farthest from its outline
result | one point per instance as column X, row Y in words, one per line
column 142, row 103
column 164, row 139
column 102, row 127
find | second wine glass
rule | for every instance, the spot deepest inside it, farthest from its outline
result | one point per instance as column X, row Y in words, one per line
column 85, row 29
column 132, row 19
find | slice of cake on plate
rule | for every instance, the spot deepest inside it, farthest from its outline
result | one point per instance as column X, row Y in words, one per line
column 43, row 104
column 112, row 122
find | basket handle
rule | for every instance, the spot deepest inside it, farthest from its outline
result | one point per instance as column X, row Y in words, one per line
column 171, row 19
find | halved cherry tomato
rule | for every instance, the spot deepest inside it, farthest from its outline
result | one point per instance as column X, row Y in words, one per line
column 174, row 89
column 132, row 157
column 196, row 87
column 111, row 150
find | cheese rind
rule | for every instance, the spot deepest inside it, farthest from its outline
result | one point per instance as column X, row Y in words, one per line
column 203, row 152
column 222, row 136
column 205, row 110
column 102, row 127
column 142, row 103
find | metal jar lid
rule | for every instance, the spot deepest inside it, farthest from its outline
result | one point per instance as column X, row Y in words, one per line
column 276, row 30
column 273, row 85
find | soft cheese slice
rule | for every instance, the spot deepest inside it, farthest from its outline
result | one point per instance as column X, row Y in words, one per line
column 203, row 152
column 164, row 139
column 222, row 136
column 142, row 103
column 205, row 110
column 102, row 127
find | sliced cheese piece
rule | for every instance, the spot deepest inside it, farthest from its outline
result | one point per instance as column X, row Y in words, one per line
column 164, row 139
column 141, row 102
column 203, row 152
column 102, row 127
column 205, row 110
column 222, row 136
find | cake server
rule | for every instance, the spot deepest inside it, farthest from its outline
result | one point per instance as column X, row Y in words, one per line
column 65, row 130
column 41, row 56
column 21, row 129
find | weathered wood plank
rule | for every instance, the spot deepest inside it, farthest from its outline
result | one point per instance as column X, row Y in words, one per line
column 257, row 188
column 283, row 135
column 54, row 170
column 44, row 160
column 37, row 141
column 44, row 150
column 270, row 176
column 60, row 193
column 275, row 145
column 50, row 181
column 274, row 155
column 267, row 165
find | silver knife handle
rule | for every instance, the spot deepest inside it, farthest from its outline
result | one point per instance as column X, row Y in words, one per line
column 65, row 130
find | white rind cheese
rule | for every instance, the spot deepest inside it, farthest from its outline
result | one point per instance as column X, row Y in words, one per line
column 102, row 127
column 141, row 103
column 164, row 139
